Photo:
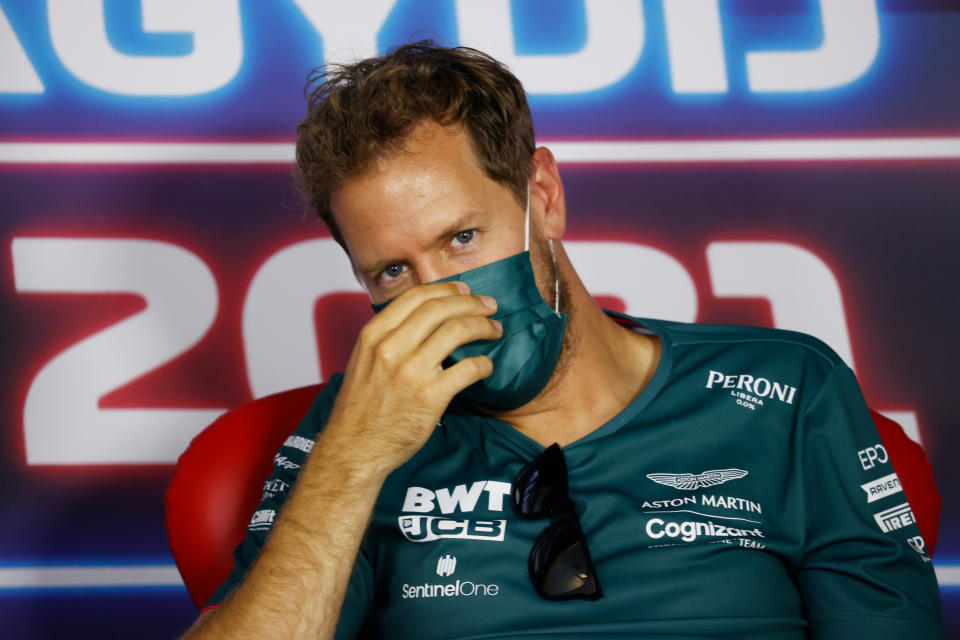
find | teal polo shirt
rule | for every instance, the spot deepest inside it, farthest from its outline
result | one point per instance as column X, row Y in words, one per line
column 743, row 494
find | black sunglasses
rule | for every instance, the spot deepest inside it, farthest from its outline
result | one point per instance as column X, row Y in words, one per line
column 560, row 564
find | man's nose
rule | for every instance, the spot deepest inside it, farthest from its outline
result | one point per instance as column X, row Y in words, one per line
column 431, row 269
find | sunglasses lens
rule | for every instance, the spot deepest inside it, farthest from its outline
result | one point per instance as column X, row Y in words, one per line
column 540, row 488
column 560, row 564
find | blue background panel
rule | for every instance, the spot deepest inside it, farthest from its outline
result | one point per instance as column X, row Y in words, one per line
column 887, row 229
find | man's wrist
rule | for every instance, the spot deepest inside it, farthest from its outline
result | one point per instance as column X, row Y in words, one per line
column 355, row 467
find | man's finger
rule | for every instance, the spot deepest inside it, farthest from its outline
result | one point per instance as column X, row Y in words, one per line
column 454, row 333
column 405, row 303
column 463, row 374
column 434, row 313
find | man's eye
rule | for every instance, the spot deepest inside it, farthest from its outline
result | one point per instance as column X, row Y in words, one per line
column 393, row 271
column 464, row 237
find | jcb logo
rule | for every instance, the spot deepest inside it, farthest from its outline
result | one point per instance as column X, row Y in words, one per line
column 427, row 528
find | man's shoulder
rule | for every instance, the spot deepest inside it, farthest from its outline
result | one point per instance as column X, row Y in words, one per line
column 780, row 343
column 298, row 445
column 319, row 412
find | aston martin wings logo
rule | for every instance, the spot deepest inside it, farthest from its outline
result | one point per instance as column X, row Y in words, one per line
column 691, row 481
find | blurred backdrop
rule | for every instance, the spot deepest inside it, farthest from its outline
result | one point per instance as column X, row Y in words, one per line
column 792, row 164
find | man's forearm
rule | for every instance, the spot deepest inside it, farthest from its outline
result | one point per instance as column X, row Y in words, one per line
column 297, row 585
column 394, row 391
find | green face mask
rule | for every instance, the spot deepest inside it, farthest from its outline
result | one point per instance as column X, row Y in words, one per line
column 526, row 354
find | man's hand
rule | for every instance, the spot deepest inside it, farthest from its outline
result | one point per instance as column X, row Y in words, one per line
column 394, row 391
column 395, row 388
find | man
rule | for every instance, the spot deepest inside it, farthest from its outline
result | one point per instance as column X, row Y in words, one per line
column 713, row 471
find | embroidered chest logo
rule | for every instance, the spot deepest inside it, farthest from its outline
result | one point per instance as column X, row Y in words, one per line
column 444, row 589
column 452, row 503
column 917, row 544
column 703, row 518
column 446, row 565
column 692, row 481
column 894, row 518
column 750, row 391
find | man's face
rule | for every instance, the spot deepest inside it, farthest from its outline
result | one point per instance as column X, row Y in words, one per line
column 425, row 213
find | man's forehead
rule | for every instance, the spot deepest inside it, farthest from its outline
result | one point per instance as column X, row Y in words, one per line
column 409, row 199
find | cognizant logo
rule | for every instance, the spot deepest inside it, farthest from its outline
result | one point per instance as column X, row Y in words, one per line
column 691, row 530
column 452, row 590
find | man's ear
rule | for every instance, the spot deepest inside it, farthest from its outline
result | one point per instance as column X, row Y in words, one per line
column 548, row 206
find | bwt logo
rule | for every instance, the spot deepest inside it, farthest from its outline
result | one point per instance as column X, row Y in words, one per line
column 446, row 565
column 461, row 498
column 616, row 33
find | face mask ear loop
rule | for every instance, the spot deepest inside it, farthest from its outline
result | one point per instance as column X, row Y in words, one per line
column 526, row 247
column 526, row 223
column 556, row 280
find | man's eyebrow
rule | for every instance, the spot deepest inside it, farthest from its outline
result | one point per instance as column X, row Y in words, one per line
column 374, row 268
column 460, row 224
column 465, row 221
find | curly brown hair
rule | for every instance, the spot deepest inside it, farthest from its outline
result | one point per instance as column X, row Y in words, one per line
column 358, row 112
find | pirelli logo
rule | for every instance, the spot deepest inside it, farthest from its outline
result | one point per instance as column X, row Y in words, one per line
column 894, row 518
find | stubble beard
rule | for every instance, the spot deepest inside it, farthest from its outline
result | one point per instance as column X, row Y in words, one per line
column 570, row 340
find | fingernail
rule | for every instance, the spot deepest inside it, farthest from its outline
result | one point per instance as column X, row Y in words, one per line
column 462, row 287
column 490, row 302
column 497, row 324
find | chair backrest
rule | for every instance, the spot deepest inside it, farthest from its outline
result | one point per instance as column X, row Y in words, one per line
column 218, row 482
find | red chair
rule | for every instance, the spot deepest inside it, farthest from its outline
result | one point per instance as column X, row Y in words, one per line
column 218, row 482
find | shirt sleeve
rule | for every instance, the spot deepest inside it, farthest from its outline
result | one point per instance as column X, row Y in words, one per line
column 286, row 468
column 864, row 571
